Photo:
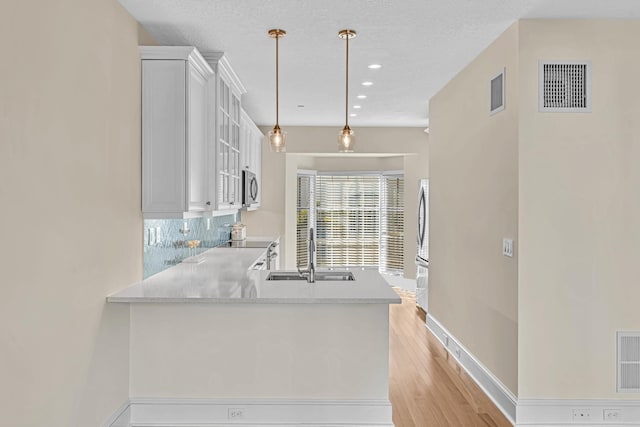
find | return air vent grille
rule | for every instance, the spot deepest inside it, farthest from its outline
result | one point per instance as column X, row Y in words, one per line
column 497, row 93
column 564, row 87
column 628, row 361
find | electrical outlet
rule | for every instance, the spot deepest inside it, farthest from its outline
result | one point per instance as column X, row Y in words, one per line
column 158, row 235
column 152, row 236
column 445, row 340
column 457, row 352
column 612, row 415
column 507, row 247
column 236, row 413
column 581, row 414
column 208, row 224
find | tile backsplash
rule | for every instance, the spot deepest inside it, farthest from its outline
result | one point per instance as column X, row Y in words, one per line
column 167, row 241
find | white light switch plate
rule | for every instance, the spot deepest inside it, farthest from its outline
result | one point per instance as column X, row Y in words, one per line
column 507, row 247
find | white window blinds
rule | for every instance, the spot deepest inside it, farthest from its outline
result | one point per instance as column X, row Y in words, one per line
column 348, row 221
column 305, row 215
column 358, row 220
column 392, row 224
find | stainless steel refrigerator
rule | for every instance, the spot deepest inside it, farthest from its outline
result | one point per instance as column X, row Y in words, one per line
column 422, row 252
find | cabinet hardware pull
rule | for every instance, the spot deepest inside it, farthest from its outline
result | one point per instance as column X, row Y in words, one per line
column 208, row 203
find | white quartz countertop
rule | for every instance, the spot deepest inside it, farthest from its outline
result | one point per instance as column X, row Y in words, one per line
column 224, row 276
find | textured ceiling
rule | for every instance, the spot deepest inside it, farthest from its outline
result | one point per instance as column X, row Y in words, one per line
column 421, row 45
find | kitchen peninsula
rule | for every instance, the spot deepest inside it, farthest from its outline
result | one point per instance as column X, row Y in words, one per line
column 214, row 337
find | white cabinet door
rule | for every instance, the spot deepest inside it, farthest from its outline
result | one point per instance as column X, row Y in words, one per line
column 163, row 136
column 245, row 142
column 175, row 132
column 229, row 176
column 223, row 142
column 197, row 142
column 235, row 170
column 256, row 157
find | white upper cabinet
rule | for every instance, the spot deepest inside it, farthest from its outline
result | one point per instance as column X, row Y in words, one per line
column 251, row 139
column 228, row 172
column 177, row 144
column 196, row 140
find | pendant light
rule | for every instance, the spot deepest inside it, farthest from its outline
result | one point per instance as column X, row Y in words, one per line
column 346, row 138
column 277, row 138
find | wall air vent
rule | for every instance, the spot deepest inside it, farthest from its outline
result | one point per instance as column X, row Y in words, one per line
column 564, row 87
column 496, row 88
column 628, row 362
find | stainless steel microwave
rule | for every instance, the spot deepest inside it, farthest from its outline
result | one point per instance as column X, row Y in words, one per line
column 249, row 189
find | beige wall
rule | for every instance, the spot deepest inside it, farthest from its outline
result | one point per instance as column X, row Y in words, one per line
column 71, row 225
column 579, row 213
column 473, row 289
column 305, row 148
column 568, row 182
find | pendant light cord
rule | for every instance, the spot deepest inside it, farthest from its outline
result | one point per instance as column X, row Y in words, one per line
column 346, row 102
column 277, row 88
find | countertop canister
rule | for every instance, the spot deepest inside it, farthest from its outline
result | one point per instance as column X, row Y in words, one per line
column 238, row 232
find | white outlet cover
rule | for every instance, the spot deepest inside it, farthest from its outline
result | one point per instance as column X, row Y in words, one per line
column 151, row 239
column 158, row 235
column 612, row 414
column 581, row 414
column 235, row 413
column 507, row 247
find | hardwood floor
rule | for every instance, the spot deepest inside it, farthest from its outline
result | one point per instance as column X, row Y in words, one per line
column 427, row 388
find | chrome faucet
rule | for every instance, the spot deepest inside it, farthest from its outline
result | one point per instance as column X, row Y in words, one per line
column 311, row 269
column 310, row 272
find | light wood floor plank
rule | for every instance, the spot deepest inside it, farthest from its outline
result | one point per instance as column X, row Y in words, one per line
column 427, row 388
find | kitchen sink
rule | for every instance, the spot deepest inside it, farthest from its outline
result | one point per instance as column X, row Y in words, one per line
column 321, row 276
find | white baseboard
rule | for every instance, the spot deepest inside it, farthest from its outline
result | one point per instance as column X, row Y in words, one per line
column 559, row 412
column 161, row 412
column 492, row 387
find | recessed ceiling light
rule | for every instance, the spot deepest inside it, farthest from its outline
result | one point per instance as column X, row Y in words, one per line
column 367, row 83
column 353, row 115
column 357, row 106
column 362, row 96
column 375, row 66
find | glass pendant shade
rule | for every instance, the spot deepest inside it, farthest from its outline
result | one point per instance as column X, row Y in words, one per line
column 346, row 140
column 278, row 140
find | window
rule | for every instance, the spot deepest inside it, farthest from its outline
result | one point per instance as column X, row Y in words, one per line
column 358, row 220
